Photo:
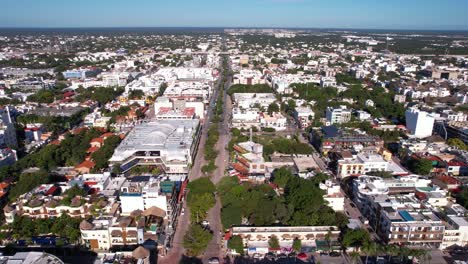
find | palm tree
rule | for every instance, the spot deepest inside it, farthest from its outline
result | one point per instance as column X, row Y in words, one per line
column 328, row 240
column 391, row 250
column 370, row 249
column 355, row 256
column 403, row 251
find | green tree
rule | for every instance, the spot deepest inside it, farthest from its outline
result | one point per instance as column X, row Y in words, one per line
column 273, row 242
column 235, row 243
column 199, row 205
column 196, row 239
column 231, row 215
column 273, row 108
column 420, row 166
column 355, row 238
column 281, row 176
column 456, row 142
column 370, row 249
column 297, row 245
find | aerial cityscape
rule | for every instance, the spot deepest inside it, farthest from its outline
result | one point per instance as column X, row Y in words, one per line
column 223, row 136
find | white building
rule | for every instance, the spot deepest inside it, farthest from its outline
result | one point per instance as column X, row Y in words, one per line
column 338, row 115
column 142, row 195
column 363, row 115
column 245, row 118
column 96, row 119
column 333, row 195
column 179, row 105
column 248, row 100
column 248, row 77
column 419, row 123
column 276, row 121
column 281, row 82
column 304, row 116
column 149, row 84
column 189, row 90
column 328, row 82
column 168, row 144
column 110, row 79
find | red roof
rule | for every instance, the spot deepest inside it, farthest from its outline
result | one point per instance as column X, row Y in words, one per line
column 98, row 140
column 86, row 164
column 92, row 149
column 106, row 135
column 51, row 190
column 456, row 163
column 68, row 94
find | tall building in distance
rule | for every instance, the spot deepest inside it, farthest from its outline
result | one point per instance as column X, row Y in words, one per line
column 419, row 123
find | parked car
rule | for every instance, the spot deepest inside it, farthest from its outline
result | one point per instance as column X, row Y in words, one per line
column 335, row 254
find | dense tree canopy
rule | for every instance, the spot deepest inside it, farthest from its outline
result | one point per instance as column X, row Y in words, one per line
column 64, row 226
column 100, row 94
column 196, row 239
column 200, row 198
column 235, row 243
column 420, row 166
column 256, row 88
column 260, row 205
column 458, row 143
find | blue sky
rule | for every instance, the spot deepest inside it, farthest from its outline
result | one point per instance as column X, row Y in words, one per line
column 377, row 14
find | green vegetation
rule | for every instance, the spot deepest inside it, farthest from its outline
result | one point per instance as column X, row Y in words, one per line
column 71, row 151
column 457, row 143
column 420, row 166
column 462, row 197
column 273, row 242
column 45, row 96
column 200, row 198
column 322, row 96
column 235, row 243
column 63, row 226
column 196, row 239
column 273, row 108
column 102, row 156
column 136, row 94
column 386, row 135
column 102, row 95
column 259, row 205
column 356, row 238
column 210, row 148
column 54, row 124
column 383, row 102
column 256, row 88
column 297, row 245
column 28, row 181
column 282, row 145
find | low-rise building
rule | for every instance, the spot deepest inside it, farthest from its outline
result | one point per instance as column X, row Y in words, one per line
column 312, row 238
column 248, row 77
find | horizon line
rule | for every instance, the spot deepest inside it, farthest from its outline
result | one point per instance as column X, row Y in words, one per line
column 228, row 27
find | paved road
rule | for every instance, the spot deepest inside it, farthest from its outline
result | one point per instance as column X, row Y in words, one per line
column 222, row 161
column 177, row 250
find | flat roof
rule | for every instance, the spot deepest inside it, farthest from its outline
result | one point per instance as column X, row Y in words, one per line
column 154, row 135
